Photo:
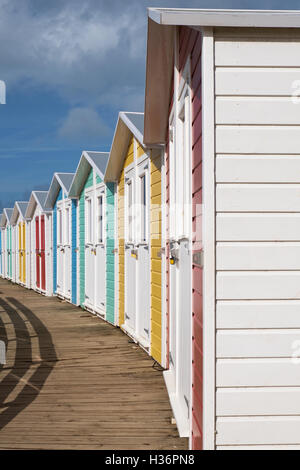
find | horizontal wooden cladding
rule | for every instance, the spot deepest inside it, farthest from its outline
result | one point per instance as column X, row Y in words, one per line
column 258, row 197
column 257, row 53
column 258, row 314
column 258, row 168
column 258, row 401
column 254, row 372
column 257, row 110
column 235, row 285
column 260, row 227
column 258, row 430
column 257, row 139
column 258, row 256
column 249, row 81
column 257, row 343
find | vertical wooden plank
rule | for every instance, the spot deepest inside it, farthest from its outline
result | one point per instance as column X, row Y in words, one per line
column 209, row 274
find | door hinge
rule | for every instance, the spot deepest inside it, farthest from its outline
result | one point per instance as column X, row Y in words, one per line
column 198, row 258
column 171, row 359
column 147, row 331
column 187, row 404
column 126, row 316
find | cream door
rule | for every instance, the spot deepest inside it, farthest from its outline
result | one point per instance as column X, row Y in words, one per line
column 142, row 200
column 67, row 269
column 60, row 250
column 90, row 252
column 180, row 259
column 130, row 251
column 100, row 247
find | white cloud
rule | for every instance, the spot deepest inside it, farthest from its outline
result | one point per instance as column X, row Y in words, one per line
column 83, row 124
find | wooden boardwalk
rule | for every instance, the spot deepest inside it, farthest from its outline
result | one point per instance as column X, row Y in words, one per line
column 73, row 381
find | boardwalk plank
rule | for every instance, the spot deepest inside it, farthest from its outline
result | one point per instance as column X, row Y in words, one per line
column 73, row 381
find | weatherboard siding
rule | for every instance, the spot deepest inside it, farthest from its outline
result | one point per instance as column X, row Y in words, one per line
column 258, row 238
column 110, row 257
column 156, row 262
column 74, row 252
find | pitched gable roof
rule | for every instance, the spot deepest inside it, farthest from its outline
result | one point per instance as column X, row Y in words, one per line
column 88, row 160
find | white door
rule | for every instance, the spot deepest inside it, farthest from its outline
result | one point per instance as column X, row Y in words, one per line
column 90, row 251
column 143, row 251
column 130, row 251
column 67, row 250
column 180, row 255
column 60, row 250
column 100, row 262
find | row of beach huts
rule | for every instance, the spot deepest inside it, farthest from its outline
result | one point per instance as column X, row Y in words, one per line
column 187, row 233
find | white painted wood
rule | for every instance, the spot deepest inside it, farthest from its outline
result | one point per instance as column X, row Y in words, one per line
column 258, row 256
column 217, row 17
column 261, row 53
column 257, row 139
column 257, row 110
column 259, row 227
column 258, row 314
column 258, row 401
column 258, row 168
column 266, row 372
column 248, row 81
column 257, row 343
column 258, row 198
column 258, row 430
column 258, row 285
column 209, row 273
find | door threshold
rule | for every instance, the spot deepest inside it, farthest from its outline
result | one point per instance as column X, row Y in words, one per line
column 62, row 297
column 182, row 422
column 137, row 339
column 95, row 312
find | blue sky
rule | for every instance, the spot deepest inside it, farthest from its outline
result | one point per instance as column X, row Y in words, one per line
column 70, row 66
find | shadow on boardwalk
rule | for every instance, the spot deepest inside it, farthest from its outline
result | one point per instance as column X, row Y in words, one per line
column 24, row 360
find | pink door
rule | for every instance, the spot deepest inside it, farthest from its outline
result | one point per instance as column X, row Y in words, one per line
column 43, row 254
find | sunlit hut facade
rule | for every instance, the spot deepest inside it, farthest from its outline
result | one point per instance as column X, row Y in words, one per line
column 95, row 235
column 224, row 108
column 21, row 230
column 64, row 236
column 7, row 243
column 1, row 251
column 136, row 170
column 41, row 243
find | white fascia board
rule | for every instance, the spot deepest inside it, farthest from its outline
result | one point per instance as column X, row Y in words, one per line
column 226, row 18
column 92, row 163
column 131, row 127
column 31, row 206
column 74, row 188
